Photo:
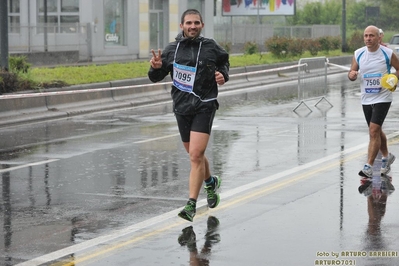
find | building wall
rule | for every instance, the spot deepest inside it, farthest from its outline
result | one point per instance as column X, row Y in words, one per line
column 144, row 29
column 89, row 39
column 102, row 52
column 174, row 19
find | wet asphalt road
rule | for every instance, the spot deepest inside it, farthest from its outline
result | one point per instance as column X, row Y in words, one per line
column 105, row 189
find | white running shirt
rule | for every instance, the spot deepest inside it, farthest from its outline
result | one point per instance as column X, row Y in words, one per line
column 372, row 66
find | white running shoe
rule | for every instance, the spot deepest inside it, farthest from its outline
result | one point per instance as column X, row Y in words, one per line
column 386, row 163
column 367, row 171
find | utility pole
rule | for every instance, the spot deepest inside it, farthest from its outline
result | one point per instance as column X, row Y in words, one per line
column 344, row 45
column 258, row 41
column 4, row 35
column 45, row 27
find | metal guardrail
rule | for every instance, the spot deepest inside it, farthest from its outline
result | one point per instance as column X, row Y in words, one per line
column 22, row 107
column 312, row 85
column 53, row 93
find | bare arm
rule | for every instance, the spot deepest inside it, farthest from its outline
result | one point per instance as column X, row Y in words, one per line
column 352, row 74
column 395, row 64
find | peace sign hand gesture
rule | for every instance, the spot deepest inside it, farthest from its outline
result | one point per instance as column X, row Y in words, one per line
column 156, row 61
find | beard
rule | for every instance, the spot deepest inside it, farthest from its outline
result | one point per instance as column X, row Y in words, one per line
column 192, row 34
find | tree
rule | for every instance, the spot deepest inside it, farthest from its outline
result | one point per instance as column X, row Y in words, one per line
column 317, row 13
column 311, row 14
column 356, row 18
column 389, row 14
column 332, row 12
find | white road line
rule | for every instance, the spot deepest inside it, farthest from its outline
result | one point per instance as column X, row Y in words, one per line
column 133, row 197
column 172, row 214
column 159, row 138
column 54, row 160
column 27, row 165
column 164, row 137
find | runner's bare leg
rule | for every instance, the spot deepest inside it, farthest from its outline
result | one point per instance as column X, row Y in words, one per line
column 199, row 163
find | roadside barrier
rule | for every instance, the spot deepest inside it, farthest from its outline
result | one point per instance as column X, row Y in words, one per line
column 338, row 66
column 312, row 81
column 78, row 99
column 111, row 95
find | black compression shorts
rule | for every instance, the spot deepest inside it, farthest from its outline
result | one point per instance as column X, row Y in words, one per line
column 201, row 122
column 376, row 113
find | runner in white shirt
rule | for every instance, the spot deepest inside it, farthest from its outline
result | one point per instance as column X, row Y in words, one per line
column 370, row 63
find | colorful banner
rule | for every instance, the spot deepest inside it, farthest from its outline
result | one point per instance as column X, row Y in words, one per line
column 258, row 7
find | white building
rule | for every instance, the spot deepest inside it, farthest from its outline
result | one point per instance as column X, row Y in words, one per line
column 101, row 30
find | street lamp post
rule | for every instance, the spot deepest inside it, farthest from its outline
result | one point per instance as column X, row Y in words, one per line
column 4, row 35
column 45, row 27
column 344, row 45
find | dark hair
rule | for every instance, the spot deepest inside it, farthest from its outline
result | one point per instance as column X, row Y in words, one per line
column 191, row 12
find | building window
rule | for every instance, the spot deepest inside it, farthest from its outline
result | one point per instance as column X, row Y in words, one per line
column 156, row 4
column 156, row 24
column 62, row 16
column 114, row 22
column 13, row 16
column 196, row 4
column 69, row 5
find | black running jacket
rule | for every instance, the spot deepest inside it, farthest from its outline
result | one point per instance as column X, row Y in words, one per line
column 212, row 57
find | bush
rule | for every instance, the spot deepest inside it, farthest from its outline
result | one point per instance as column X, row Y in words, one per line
column 313, row 46
column 336, row 42
column 325, row 43
column 18, row 76
column 18, row 64
column 296, row 47
column 9, row 82
column 250, row 48
column 356, row 41
column 278, row 46
column 226, row 46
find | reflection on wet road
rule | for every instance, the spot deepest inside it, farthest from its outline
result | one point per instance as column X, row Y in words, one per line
column 188, row 238
column 289, row 195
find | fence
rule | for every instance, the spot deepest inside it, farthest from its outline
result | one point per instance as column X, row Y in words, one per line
column 312, row 81
column 307, row 77
column 242, row 33
column 51, row 38
column 77, row 36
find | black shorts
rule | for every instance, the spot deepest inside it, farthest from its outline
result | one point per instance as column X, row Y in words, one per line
column 376, row 113
column 201, row 122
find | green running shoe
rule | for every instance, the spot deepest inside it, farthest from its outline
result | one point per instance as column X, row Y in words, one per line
column 212, row 197
column 188, row 212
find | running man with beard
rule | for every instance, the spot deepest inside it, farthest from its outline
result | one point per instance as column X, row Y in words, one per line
column 197, row 65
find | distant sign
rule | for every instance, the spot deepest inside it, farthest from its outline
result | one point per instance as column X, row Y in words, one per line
column 373, row 11
column 258, row 7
